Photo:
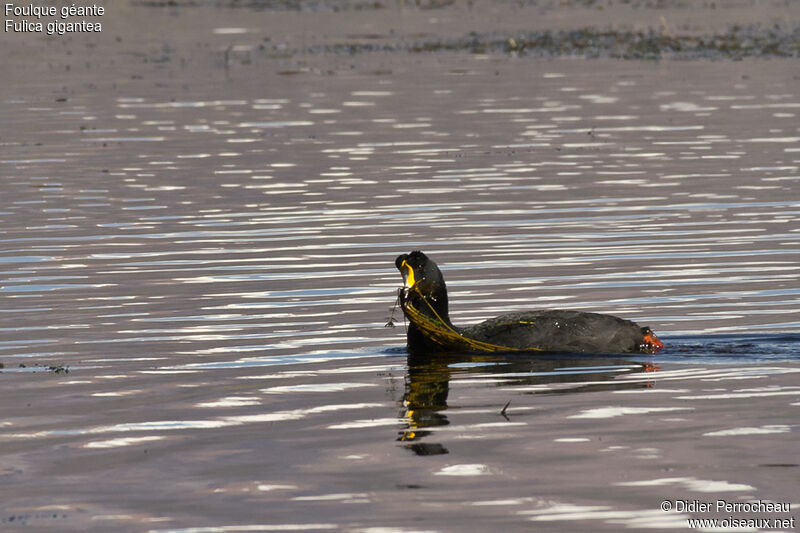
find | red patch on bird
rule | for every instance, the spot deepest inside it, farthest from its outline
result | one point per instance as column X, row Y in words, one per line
column 651, row 342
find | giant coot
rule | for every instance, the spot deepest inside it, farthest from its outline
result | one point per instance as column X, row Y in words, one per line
column 424, row 302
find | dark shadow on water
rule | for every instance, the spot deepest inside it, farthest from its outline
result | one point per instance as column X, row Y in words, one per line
column 428, row 383
column 428, row 378
column 727, row 348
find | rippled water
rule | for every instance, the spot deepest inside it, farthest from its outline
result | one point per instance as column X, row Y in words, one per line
column 195, row 290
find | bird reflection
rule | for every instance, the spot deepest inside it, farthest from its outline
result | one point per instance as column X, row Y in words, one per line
column 425, row 400
column 428, row 384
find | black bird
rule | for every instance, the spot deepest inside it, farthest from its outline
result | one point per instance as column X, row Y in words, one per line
column 424, row 302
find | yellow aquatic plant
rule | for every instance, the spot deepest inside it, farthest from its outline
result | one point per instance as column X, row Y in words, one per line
column 439, row 331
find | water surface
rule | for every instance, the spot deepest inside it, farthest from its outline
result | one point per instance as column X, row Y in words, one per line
column 196, row 282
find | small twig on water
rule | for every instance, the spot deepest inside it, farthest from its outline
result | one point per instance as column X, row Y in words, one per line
column 503, row 410
column 227, row 57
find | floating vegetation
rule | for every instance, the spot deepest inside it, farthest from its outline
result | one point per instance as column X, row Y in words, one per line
column 55, row 369
column 737, row 42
